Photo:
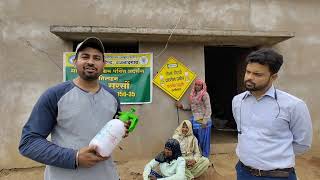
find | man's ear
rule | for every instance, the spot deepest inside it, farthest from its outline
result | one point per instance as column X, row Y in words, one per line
column 274, row 76
column 74, row 61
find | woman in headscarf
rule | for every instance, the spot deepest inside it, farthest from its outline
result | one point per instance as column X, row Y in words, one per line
column 201, row 111
column 172, row 165
column 196, row 164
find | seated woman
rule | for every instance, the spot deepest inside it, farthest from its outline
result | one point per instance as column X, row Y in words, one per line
column 196, row 164
column 172, row 165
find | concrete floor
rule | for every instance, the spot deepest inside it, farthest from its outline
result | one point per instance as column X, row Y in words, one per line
column 223, row 142
column 222, row 137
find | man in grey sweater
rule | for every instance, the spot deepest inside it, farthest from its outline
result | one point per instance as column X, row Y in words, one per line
column 73, row 112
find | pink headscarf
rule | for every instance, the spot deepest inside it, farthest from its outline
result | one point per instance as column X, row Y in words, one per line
column 200, row 94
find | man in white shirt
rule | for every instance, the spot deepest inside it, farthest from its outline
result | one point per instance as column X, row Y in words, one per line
column 273, row 126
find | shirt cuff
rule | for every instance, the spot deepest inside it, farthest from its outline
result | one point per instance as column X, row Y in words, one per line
column 299, row 149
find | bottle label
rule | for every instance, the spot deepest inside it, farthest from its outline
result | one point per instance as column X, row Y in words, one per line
column 106, row 134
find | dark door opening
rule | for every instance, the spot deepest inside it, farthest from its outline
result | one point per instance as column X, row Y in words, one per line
column 224, row 70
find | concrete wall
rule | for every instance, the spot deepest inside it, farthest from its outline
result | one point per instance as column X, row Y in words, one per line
column 159, row 119
column 31, row 56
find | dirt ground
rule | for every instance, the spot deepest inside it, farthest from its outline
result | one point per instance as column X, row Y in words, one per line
column 307, row 169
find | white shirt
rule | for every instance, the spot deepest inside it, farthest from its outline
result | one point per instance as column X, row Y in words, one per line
column 175, row 170
column 273, row 129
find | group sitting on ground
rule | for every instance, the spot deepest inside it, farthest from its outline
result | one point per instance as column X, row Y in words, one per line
column 181, row 158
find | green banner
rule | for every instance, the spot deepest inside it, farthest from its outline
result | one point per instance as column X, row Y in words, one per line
column 129, row 74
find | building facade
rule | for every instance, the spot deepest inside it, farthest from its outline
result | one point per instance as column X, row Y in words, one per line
column 207, row 36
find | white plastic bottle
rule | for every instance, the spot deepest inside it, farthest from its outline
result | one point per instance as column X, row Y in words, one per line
column 112, row 133
column 108, row 137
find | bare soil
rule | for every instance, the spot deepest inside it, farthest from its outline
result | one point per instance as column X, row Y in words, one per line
column 307, row 167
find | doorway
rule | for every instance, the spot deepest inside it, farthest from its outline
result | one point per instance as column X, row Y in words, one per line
column 224, row 70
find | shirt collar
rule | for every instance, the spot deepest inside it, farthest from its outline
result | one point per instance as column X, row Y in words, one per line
column 271, row 92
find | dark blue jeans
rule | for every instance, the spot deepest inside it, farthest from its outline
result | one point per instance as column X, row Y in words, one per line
column 243, row 174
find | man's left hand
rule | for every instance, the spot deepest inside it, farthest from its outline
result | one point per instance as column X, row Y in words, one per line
column 127, row 125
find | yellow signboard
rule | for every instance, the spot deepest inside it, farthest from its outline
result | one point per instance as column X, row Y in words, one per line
column 174, row 78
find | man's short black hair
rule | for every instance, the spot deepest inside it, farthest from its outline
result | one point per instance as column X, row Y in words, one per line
column 266, row 56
